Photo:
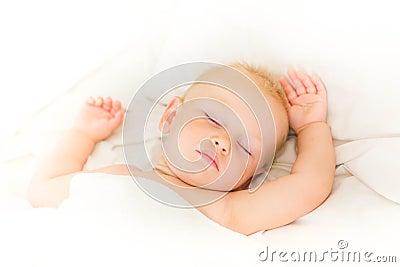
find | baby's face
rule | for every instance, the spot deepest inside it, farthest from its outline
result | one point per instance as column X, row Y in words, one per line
column 229, row 152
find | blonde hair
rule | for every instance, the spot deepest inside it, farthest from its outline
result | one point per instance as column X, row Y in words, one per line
column 270, row 86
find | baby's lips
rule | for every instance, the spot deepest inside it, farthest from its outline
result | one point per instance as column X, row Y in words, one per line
column 211, row 156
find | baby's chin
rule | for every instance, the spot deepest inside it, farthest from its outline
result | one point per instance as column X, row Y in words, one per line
column 202, row 180
column 207, row 179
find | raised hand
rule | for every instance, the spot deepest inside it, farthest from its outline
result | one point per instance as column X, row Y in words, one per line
column 307, row 100
column 99, row 117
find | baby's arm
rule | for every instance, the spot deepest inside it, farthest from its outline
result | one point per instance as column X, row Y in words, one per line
column 96, row 121
column 281, row 201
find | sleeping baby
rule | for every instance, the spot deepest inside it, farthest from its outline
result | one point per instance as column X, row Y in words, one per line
column 224, row 150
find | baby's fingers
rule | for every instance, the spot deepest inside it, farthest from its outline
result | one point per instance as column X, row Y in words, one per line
column 287, row 87
column 116, row 105
column 298, row 83
column 117, row 118
column 107, row 105
column 91, row 101
column 319, row 84
column 310, row 86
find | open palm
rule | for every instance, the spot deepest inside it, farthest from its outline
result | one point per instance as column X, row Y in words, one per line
column 307, row 101
column 99, row 117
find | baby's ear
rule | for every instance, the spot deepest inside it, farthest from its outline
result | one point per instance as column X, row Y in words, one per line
column 169, row 114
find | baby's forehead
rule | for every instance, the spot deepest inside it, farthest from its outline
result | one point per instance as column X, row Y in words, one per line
column 218, row 95
column 236, row 79
column 221, row 104
column 208, row 90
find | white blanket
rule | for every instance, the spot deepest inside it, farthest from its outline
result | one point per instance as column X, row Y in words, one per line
column 109, row 221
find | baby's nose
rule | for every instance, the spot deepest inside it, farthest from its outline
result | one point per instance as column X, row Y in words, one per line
column 222, row 144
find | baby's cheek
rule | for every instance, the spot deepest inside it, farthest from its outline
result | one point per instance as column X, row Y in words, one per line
column 188, row 142
column 250, row 170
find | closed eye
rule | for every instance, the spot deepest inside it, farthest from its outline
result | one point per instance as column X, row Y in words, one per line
column 213, row 121
column 245, row 149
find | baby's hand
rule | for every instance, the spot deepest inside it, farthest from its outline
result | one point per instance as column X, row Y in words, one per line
column 307, row 99
column 99, row 117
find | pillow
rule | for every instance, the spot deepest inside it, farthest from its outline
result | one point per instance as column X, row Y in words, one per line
column 356, row 58
column 379, row 167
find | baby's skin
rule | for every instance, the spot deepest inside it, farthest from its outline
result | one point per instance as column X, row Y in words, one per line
column 274, row 204
column 99, row 117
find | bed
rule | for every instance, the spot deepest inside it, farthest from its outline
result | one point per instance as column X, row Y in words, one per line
column 107, row 220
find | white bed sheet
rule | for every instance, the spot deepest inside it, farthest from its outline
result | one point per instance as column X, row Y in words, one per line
column 108, row 220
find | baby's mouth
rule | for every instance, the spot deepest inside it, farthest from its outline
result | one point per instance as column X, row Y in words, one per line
column 208, row 156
